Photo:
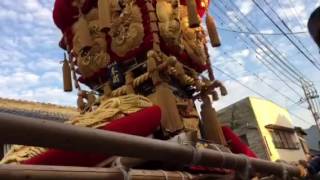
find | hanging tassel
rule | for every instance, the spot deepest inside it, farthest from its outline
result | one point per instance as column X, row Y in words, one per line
column 212, row 31
column 223, row 90
column 104, row 7
column 67, row 82
column 81, row 30
column 215, row 95
column 194, row 20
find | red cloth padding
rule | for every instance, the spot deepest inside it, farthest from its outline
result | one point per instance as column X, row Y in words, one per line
column 64, row 14
column 88, row 5
column 236, row 145
column 141, row 123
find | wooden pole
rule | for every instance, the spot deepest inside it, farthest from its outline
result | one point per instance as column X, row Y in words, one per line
column 21, row 130
column 36, row 172
column 212, row 127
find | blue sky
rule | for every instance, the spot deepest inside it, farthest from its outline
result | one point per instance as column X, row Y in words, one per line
column 241, row 61
column 29, row 52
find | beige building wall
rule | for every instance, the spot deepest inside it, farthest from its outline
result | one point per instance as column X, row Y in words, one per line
column 266, row 112
column 240, row 117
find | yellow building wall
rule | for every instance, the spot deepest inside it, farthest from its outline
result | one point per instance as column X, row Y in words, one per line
column 266, row 113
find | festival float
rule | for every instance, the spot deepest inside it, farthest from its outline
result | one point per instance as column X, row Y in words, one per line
column 138, row 67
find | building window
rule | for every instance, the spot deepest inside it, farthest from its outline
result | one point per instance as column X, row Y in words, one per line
column 304, row 145
column 244, row 139
column 284, row 139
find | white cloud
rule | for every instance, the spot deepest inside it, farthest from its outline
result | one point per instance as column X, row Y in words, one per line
column 51, row 77
column 267, row 31
column 17, row 82
column 245, row 6
column 8, row 15
column 290, row 12
column 44, row 65
column 49, row 94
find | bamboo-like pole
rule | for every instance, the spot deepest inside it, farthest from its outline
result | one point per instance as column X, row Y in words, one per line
column 32, row 172
column 37, row 172
column 212, row 127
column 21, row 130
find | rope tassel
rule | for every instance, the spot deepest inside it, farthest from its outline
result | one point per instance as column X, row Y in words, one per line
column 212, row 31
column 194, row 20
column 67, row 82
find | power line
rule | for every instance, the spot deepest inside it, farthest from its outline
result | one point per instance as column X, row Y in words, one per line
column 258, row 40
column 281, row 64
column 282, row 80
column 266, row 43
column 266, row 63
column 292, row 42
column 256, row 92
column 293, row 9
column 312, row 98
column 257, row 33
column 289, row 29
column 262, row 80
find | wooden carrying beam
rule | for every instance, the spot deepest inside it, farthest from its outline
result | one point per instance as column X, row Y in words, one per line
column 36, row 172
column 32, row 172
column 21, row 130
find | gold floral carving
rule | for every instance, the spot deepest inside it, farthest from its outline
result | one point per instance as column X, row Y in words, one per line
column 90, row 63
column 193, row 39
column 97, row 57
column 127, row 30
column 169, row 17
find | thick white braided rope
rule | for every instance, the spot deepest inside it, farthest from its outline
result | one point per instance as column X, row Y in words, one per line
column 247, row 168
column 165, row 174
column 222, row 155
column 284, row 171
column 196, row 156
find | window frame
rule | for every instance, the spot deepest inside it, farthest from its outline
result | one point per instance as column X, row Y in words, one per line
column 284, row 139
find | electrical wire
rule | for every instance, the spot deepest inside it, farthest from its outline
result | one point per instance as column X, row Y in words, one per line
column 257, row 33
column 292, row 42
column 283, row 65
column 293, row 9
column 256, row 92
column 269, row 45
column 261, row 79
column 289, row 29
column 267, row 64
column 294, row 70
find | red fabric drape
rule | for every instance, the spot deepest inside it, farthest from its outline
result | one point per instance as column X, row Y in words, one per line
column 236, row 145
column 201, row 10
column 64, row 14
column 142, row 123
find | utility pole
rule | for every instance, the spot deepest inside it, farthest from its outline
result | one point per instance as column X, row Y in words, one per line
column 312, row 98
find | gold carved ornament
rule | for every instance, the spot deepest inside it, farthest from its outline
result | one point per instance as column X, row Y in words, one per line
column 169, row 21
column 89, row 44
column 193, row 39
column 127, row 31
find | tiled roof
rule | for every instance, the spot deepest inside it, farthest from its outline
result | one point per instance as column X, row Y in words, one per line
column 37, row 110
column 36, row 114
